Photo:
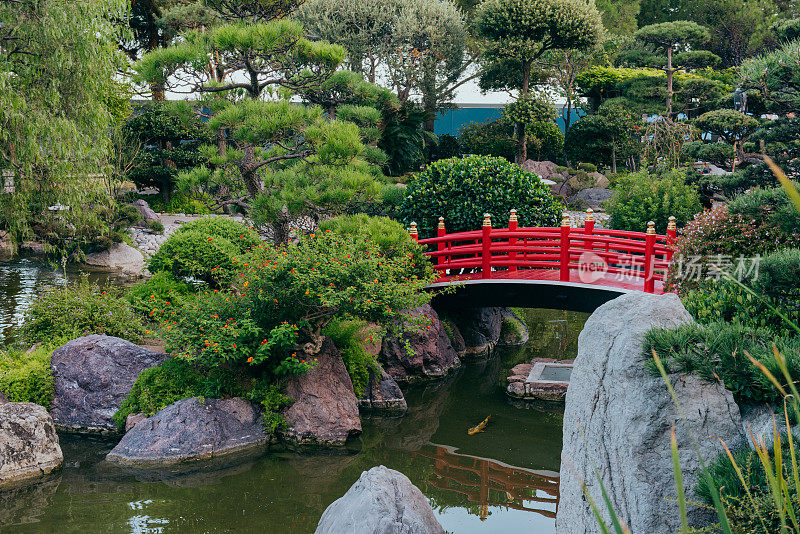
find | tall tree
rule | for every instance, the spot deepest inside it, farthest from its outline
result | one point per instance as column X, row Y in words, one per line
column 672, row 37
column 519, row 32
column 619, row 16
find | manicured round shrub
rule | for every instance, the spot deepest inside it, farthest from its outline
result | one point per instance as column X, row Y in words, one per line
column 26, row 376
column 462, row 189
column 641, row 197
column 192, row 254
column 240, row 235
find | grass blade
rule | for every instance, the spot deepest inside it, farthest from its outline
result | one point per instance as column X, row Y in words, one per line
column 676, row 469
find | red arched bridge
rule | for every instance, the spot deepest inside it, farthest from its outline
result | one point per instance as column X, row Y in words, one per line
column 550, row 267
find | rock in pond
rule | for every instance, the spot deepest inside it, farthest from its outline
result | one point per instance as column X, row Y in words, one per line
column 381, row 501
column 92, row 375
column 479, row 327
column 513, row 330
column 28, row 442
column 120, row 257
column 383, row 395
column 191, row 430
column 433, row 353
column 618, row 418
column 325, row 411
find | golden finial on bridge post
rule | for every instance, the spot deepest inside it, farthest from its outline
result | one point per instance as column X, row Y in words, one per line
column 487, row 219
column 513, row 217
column 590, row 214
column 651, row 228
column 565, row 219
column 441, row 223
column 671, row 225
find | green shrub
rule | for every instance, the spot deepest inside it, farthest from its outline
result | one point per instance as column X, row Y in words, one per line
column 712, row 301
column 392, row 239
column 347, row 336
column 158, row 295
column 178, row 203
column 768, row 206
column 588, row 167
column 641, row 197
column 26, row 377
column 240, row 235
column 718, row 351
column 155, row 226
column 78, row 309
column 194, row 254
column 462, row 190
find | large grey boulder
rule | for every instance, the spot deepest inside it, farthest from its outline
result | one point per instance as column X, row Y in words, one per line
column 432, row 354
column 28, row 442
column 190, row 430
column 120, row 257
column 92, row 375
column 618, row 417
column 593, row 197
column 325, row 411
column 382, row 501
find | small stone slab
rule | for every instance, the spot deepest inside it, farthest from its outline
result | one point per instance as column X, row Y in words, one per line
column 531, row 381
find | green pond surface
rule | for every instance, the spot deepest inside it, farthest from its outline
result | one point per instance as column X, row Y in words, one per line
column 504, row 479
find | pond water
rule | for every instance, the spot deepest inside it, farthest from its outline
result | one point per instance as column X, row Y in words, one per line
column 501, row 480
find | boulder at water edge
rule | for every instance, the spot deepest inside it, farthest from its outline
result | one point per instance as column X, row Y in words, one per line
column 120, row 257
column 92, row 375
column 618, row 417
column 28, row 442
column 479, row 327
column 325, row 411
column 432, row 354
column 382, row 394
column 144, row 210
column 381, row 501
column 190, row 430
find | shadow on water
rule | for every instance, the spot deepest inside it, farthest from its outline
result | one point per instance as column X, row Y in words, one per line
column 501, row 480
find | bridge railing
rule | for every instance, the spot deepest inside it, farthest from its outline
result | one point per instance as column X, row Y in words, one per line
column 499, row 252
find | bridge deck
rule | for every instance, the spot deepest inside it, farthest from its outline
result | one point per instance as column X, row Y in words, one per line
column 607, row 280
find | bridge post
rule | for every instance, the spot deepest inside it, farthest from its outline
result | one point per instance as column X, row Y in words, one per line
column 588, row 229
column 486, row 242
column 512, row 227
column 649, row 258
column 672, row 232
column 564, row 249
column 440, row 232
column 413, row 232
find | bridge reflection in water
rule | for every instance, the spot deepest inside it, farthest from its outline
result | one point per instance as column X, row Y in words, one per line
column 488, row 482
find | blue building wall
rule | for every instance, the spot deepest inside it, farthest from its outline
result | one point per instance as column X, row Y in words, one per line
column 452, row 120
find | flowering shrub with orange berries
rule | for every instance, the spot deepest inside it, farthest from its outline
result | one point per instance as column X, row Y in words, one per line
column 283, row 297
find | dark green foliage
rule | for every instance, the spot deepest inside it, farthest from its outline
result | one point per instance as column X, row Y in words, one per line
column 775, row 77
column 170, row 135
column 496, row 138
column 26, row 376
column 447, row 146
column 193, row 254
column 607, row 137
column 462, row 190
column 81, row 308
column 241, row 236
column 349, row 338
column 641, row 197
column 772, row 206
column 404, row 140
column 155, row 226
column 717, row 352
column 720, row 154
column 173, row 380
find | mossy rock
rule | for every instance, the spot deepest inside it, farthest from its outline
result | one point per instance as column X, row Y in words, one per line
column 513, row 331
